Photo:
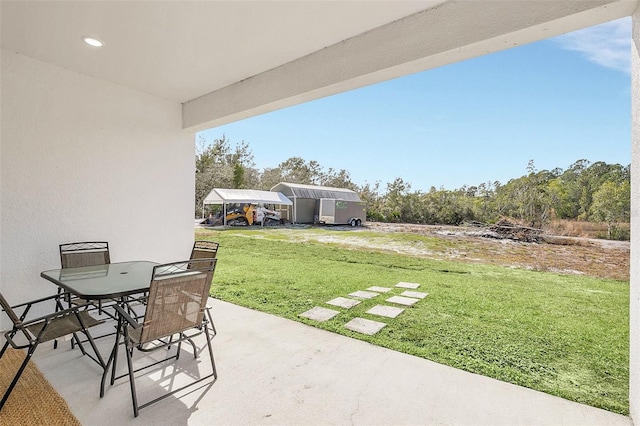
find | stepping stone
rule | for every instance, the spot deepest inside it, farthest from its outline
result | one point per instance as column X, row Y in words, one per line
column 406, row 301
column 319, row 314
column 364, row 326
column 385, row 311
column 379, row 289
column 364, row 294
column 407, row 285
column 343, row 302
column 414, row 294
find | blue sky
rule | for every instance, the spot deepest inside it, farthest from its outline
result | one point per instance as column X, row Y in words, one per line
column 555, row 101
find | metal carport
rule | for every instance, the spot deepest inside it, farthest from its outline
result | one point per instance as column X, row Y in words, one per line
column 228, row 196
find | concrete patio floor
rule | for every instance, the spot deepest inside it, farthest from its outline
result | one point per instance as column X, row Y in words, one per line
column 276, row 371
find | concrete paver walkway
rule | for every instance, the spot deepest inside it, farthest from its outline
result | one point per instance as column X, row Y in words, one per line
column 363, row 325
column 273, row 371
column 385, row 311
column 401, row 300
column 318, row 313
column 407, row 285
column 343, row 302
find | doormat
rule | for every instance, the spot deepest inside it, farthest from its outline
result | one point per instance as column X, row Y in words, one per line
column 33, row 400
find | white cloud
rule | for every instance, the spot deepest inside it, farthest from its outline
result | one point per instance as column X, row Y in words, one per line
column 608, row 45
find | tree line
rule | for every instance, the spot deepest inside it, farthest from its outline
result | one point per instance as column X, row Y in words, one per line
column 584, row 191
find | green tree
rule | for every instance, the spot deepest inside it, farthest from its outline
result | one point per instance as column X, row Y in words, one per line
column 573, row 191
column 238, row 176
column 559, row 198
column 219, row 165
column 484, row 202
column 339, row 179
column 527, row 197
column 612, row 204
column 270, row 177
column 370, row 195
column 297, row 170
column 394, row 200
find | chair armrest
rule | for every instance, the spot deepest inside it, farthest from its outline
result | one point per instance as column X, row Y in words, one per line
column 8, row 336
column 33, row 302
column 50, row 316
column 125, row 315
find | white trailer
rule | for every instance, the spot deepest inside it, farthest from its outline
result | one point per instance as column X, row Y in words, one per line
column 332, row 211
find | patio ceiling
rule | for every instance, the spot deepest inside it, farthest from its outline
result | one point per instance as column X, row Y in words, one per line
column 180, row 50
column 227, row 60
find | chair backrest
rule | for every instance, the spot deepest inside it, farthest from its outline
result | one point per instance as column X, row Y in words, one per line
column 10, row 312
column 90, row 253
column 178, row 296
column 204, row 250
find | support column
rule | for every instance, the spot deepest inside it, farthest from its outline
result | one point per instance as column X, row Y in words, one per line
column 634, row 352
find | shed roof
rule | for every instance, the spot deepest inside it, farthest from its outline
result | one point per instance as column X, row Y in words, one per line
column 223, row 196
column 316, row 192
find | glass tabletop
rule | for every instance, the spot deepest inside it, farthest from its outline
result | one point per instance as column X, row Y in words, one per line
column 103, row 281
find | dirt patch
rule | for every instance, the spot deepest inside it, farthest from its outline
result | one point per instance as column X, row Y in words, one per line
column 564, row 255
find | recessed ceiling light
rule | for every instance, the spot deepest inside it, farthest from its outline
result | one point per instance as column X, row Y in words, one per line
column 92, row 41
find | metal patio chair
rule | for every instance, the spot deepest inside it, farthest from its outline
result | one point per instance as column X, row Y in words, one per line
column 203, row 249
column 32, row 332
column 88, row 253
column 175, row 313
column 85, row 253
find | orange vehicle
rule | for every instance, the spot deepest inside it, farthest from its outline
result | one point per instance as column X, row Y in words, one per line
column 239, row 215
column 248, row 214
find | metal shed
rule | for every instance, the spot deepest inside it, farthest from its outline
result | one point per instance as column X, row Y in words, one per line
column 305, row 199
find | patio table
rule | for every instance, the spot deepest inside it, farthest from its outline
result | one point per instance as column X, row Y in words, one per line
column 113, row 281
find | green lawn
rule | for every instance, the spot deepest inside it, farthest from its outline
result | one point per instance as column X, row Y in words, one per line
column 560, row 334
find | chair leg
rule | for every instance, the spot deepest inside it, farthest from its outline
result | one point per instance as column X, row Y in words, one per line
column 213, row 327
column 105, row 372
column 76, row 339
column 98, row 359
column 93, row 347
column 119, row 332
column 30, row 352
column 59, row 307
column 179, row 349
column 4, row 349
column 134, row 398
column 195, row 348
column 213, row 363
column 130, row 348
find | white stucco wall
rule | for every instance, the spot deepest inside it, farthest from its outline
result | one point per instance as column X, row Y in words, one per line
column 85, row 160
column 634, row 355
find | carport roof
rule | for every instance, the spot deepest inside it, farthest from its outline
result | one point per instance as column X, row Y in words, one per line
column 225, row 196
